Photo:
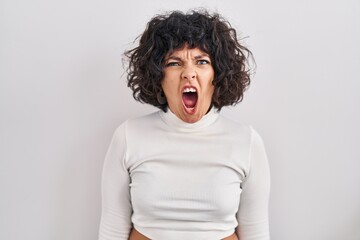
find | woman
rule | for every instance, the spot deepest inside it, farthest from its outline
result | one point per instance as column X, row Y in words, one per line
column 186, row 172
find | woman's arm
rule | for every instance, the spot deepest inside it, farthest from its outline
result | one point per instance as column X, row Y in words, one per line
column 253, row 210
column 116, row 205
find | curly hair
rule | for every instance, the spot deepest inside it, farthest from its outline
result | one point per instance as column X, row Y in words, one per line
column 197, row 29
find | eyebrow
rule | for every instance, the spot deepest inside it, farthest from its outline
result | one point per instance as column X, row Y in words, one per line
column 202, row 55
column 179, row 59
column 173, row 58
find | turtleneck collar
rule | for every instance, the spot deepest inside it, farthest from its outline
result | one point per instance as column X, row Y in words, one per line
column 173, row 121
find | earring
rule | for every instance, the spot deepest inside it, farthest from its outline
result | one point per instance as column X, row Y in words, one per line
column 161, row 97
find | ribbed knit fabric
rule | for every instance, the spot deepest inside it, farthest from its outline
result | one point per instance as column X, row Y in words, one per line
column 173, row 180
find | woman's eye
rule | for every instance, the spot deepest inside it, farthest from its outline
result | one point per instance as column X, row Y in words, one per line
column 203, row 62
column 170, row 64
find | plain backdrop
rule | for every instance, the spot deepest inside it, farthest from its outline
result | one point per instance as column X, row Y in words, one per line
column 63, row 92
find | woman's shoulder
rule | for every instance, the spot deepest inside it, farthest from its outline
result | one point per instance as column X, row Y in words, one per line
column 237, row 127
column 139, row 122
column 234, row 124
column 144, row 119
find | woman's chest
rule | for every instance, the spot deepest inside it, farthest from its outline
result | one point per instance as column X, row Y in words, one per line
column 192, row 181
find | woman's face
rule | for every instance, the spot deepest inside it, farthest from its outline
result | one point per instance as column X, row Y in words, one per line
column 187, row 83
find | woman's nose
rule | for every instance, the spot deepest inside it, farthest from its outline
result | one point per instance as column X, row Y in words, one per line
column 188, row 73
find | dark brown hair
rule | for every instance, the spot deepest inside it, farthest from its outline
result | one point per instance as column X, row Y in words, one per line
column 210, row 33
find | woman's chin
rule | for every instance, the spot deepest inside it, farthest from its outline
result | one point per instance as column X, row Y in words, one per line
column 191, row 114
column 190, row 110
column 188, row 114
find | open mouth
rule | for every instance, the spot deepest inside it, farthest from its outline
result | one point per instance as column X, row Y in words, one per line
column 189, row 97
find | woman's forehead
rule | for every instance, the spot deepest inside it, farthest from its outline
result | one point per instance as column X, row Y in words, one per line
column 186, row 51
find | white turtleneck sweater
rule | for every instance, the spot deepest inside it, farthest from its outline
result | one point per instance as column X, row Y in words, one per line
column 173, row 180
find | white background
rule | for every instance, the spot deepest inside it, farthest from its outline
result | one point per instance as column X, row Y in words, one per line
column 63, row 92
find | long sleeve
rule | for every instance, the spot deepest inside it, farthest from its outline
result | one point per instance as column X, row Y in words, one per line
column 116, row 204
column 253, row 210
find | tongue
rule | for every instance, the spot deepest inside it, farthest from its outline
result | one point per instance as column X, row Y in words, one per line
column 190, row 99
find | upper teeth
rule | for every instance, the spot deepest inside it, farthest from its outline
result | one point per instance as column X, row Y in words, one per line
column 189, row 89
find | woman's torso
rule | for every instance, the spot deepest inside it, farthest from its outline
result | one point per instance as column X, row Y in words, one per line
column 184, row 176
